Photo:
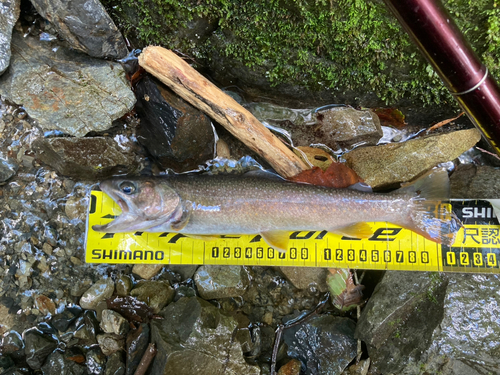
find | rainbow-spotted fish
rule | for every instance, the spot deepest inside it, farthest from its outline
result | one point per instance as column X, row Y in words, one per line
column 204, row 206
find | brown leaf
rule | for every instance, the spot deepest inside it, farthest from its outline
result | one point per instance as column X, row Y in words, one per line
column 338, row 175
column 345, row 294
column 390, row 117
column 77, row 358
column 131, row 308
column 315, row 156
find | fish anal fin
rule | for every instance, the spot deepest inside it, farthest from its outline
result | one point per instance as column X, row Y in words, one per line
column 277, row 239
column 356, row 230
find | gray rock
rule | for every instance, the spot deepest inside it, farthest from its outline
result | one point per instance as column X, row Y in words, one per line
column 147, row 271
column 95, row 361
column 137, row 343
column 9, row 13
column 466, row 340
column 115, row 365
column 389, row 165
column 306, row 277
column 12, row 344
column 195, row 338
column 85, row 158
column 110, row 343
column 63, row 89
column 156, row 294
column 176, row 134
column 123, row 285
column 112, row 322
column 221, row 281
column 38, row 347
column 98, row 292
column 398, row 320
column 61, row 321
column 185, row 271
column 57, row 364
column 471, row 181
column 343, row 127
column 85, row 25
column 5, row 362
column 324, row 344
column 8, row 168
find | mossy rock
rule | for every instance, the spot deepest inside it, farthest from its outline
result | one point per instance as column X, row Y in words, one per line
column 351, row 51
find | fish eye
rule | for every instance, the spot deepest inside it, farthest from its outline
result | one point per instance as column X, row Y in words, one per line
column 127, row 187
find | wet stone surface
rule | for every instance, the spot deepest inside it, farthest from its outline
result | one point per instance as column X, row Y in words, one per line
column 9, row 13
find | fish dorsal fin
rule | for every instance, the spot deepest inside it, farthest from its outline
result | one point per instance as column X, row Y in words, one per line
column 357, row 230
column 203, row 237
column 433, row 185
column 277, row 239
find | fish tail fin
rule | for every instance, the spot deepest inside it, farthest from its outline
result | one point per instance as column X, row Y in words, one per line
column 430, row 216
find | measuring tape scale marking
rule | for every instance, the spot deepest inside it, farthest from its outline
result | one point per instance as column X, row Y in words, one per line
column 476, row 248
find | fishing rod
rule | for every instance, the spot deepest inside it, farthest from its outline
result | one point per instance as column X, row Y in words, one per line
column 442, row 43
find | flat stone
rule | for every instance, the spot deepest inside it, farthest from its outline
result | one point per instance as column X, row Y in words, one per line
column 195, row 338
column 112, row 322
column 9, row 13
column 85, row 158
column 391, row 164
column 8, row 168
column 63, row 89
column 38, row 347
column 398, row 320
column 156, row 294
column 98, row 292
column 85, row 25
column 306, row 277
column 221, row 281
column 110, row 343
column 147, row 271
column 324, row 344
column 176, row 135
column 471, row 181
column 345, row 127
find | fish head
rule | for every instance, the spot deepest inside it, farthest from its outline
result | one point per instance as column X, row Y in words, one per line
column 145, row 203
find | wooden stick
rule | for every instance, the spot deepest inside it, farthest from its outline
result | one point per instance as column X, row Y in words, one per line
column 201, row 93
column 146, row 359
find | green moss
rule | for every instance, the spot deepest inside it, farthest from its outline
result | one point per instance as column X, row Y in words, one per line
column 336, row 44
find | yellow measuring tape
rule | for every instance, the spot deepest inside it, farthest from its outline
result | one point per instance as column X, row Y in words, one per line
column 476, row 248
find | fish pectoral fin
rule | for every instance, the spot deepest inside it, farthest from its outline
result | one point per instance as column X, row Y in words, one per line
column 277, row 239
column 203, row 237
column 357, row 230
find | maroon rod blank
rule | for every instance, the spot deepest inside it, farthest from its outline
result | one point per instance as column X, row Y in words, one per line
column 445, row 47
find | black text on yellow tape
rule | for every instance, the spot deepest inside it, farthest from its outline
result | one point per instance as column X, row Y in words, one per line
column 476, row 248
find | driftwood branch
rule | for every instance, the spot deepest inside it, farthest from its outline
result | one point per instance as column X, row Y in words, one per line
column 201, row 93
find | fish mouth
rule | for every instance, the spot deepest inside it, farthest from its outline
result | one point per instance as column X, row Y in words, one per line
column 122, row 222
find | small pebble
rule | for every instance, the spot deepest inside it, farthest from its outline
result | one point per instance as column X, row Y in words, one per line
column 98, row 292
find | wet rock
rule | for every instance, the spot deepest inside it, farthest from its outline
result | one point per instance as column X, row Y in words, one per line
column 123, row 285
column 196, row 338
column 185, row 271
column 177, row 135
column 76, row 208
column 8, row 18
column 87, row 328
column 7, row 168
column 156, row 294
column 45, row 305
column 38, row 347
column 85, row 25
column 112, row 322
column 221, row 281
column 292, row 367
column 63, row 89
column 466, row 340
column 85, row 158
column 5, row 363
column 115, row 365
column 398, row 320
column 137, row 343
column 344, row 127
column 306, row 277
column 110, row 343
column 58, row 364
column 7, row 318
column 98, row 292
column 324, row 344
column 184, row 291
column 471, row 181
column 147, row 271
column 391, row 164
column 13, row 345
column 95, row 360
column 62, row 321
